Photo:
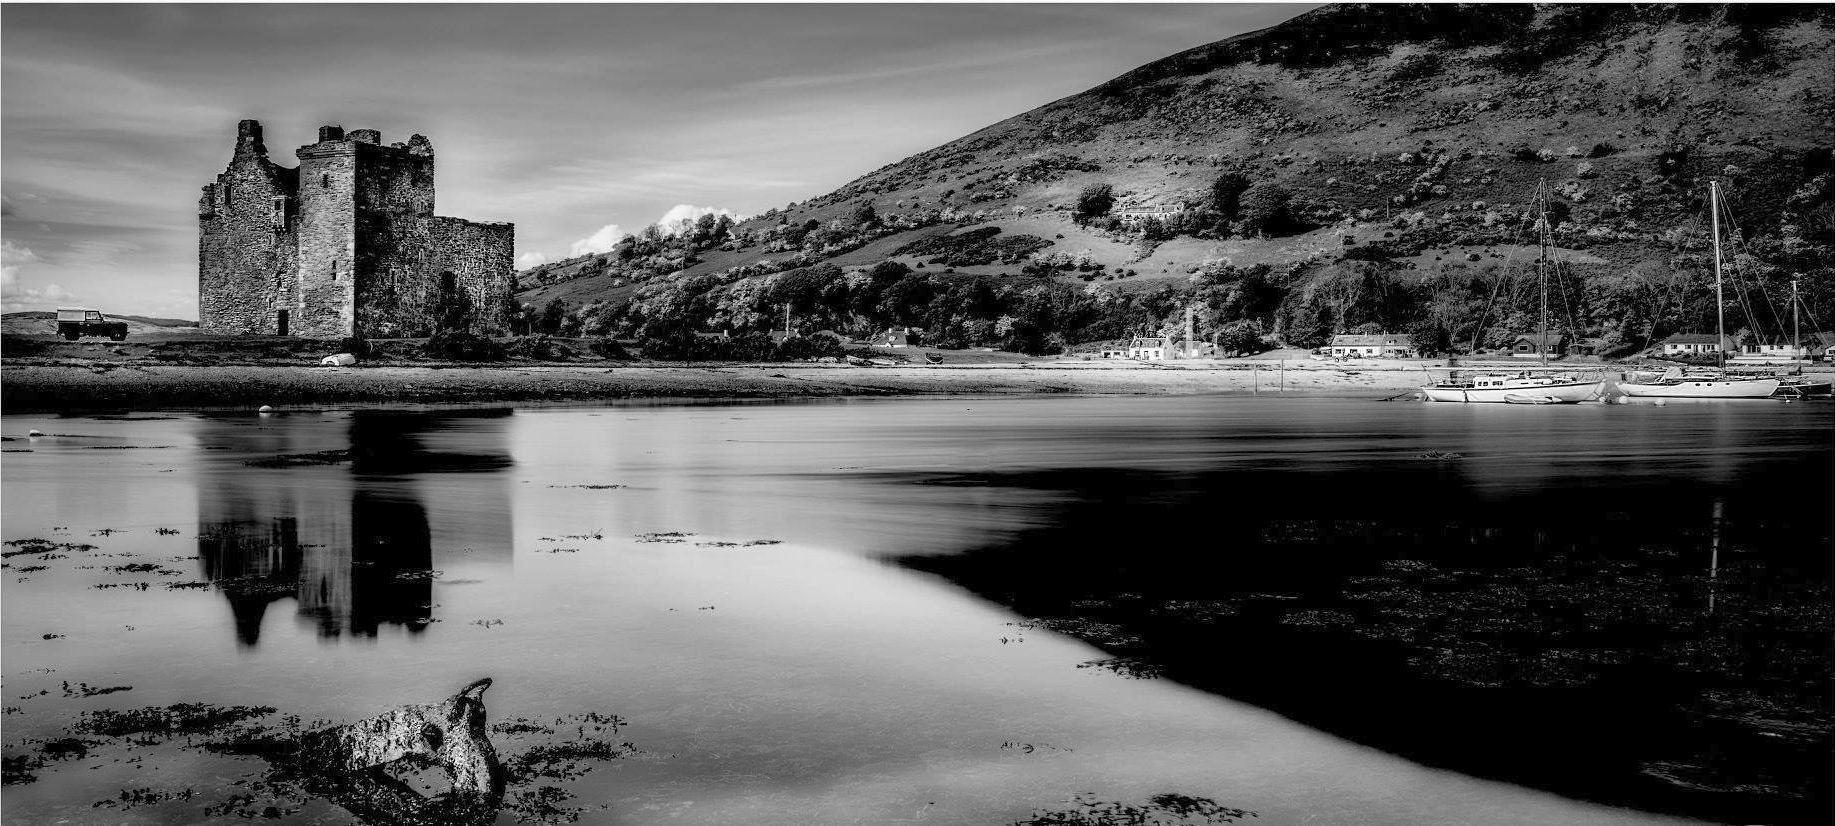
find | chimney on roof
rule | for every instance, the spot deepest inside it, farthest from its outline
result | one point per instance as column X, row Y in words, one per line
column 248, row 137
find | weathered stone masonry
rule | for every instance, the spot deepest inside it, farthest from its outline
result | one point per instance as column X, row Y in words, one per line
column 345, row 245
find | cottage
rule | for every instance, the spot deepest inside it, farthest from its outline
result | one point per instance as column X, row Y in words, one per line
column 1695, row 344
column 1524, row 347
column 1380, row 345
column 1132, row 215
column 1149, row 348
column 1782, row 352
column 899, row 337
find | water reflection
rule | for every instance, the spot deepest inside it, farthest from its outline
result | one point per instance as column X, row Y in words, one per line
column 1573, row 629
column 336, row 518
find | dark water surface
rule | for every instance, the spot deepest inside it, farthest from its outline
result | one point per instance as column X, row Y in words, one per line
column 880, row 611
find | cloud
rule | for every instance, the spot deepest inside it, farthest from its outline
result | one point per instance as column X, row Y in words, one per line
column 15, row 296
column 601, row 241
column 681, row 215
column 535, row 259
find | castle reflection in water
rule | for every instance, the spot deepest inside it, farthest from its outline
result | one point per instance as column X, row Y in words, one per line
column 363, row 512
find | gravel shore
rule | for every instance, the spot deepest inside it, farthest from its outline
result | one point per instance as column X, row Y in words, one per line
column 67, row 386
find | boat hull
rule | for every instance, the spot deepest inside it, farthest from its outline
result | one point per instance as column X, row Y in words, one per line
column 1567, row 393
column 1702, row 389
column 1793, row 389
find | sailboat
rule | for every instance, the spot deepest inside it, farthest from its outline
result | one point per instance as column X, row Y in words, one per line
column 1521, row 387
column 1677, row 383
column 1799, row 385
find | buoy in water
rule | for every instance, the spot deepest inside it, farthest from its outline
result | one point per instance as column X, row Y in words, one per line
column 265, row 409
column 1662, row 402
column 33, row 433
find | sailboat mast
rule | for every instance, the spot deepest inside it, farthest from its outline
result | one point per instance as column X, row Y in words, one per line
column 1720, row 306
column 1796, row 334
column 1542, row 272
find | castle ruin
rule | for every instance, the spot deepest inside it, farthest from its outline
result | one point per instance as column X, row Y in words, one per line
column 346, row 244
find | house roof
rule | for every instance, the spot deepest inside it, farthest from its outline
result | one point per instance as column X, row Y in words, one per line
column 1144, row 341
column 1555, row 338
column 1692, row 338
column 1378, row 340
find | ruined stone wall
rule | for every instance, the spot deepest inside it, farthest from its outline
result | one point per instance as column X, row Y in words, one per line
column 481, row 258
column 394, row 227
column 350, row 248
column 327, row 240
column 245, row 249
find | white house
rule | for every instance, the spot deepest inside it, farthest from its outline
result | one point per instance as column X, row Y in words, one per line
column 1694, row 344
column 899, row 337
column 1381, row 345
column 1811, row 347
column 1147, row 348
column 1131, row 215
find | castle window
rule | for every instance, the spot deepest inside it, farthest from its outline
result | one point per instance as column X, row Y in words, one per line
column 280, row 212
column 325, row 181
column 226, row 193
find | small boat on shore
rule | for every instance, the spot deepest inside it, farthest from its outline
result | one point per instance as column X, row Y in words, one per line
column 1518, row 388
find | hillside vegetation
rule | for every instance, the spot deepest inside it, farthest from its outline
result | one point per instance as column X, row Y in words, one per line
column 1353, row 169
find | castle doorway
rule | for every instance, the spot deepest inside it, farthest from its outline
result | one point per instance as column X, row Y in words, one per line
column 280, row 322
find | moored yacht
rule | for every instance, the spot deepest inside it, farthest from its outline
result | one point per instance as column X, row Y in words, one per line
column 1678, row 384
column 1516, row 388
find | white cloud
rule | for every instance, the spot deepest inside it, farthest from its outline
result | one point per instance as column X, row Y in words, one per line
column 531, row 259
column 681, row 215
column 15, row 296
column 601, row 241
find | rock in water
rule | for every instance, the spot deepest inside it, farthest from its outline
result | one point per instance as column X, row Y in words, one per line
column 451, row 733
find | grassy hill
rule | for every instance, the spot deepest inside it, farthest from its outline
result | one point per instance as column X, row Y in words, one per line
column 1409, row 142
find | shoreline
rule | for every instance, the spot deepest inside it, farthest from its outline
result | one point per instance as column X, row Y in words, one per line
column 80, row 387
column 41, row 385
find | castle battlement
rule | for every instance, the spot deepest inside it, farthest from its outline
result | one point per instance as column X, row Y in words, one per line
column 345, row 244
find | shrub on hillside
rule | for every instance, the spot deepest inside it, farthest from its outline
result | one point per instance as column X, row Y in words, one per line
column 456, row 346
column 608, row 347
column 1226, row 193
column 809, row 347
column 1094, row 201
column 1416, row 67
column 1266, row 208
column 975, row 247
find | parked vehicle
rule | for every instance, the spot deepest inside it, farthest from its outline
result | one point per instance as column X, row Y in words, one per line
column 76, row 322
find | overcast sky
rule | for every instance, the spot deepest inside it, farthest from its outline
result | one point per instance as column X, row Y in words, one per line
column 564, row 119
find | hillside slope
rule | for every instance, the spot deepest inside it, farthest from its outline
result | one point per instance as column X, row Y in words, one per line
column 1409, row 136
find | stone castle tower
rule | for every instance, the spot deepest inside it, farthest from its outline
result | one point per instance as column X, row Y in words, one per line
column 344, row 245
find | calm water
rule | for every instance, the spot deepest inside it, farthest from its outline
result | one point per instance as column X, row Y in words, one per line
column 839, row 634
